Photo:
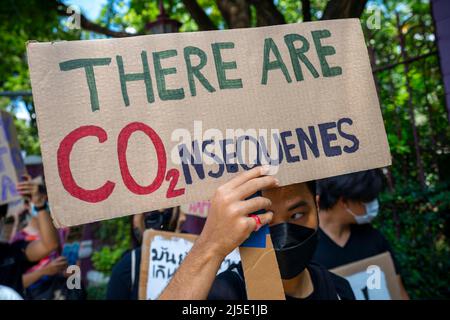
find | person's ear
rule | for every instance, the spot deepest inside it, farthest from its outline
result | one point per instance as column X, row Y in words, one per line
column 318, row 202
column 342, row 203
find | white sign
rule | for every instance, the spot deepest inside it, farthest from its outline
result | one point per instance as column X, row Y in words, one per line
column 363, row 287
column 166, row 256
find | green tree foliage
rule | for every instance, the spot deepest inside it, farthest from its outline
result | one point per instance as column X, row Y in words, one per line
column 415, row 222
column 116, row 237
column 22, row 21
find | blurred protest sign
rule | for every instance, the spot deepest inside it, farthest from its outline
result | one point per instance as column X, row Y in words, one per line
column 162, row 254
column 11, row 162
column 9, row 129
column 121, row 121
column 197, row 209
column 7, row 122
column 373, row 278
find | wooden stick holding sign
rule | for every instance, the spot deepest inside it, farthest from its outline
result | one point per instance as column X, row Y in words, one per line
column 125, row 124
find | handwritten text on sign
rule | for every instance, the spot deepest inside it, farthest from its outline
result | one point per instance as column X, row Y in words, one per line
column 11, row 162
column 115, row 116
column 166, row 256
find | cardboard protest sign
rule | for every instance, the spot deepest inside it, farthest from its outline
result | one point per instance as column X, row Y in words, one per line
column 7, row 122
column 135, row 124
column 162, row 254
column 373, row 278
column 8, row 173
column 198, row 208
column 261, row 272
column 9, row 129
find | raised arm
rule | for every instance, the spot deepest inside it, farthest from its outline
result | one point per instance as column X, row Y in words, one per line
column 226, row 227
column 49, row 239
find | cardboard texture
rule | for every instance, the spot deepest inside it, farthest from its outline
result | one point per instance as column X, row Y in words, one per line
column 9, row 160
column 256, row 263
column 262, row 276
column 357, row 274
column 116, row 116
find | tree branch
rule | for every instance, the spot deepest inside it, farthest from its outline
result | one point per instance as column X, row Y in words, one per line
column 199, row 15
column 306, row 10
column 341, row 9
column 88, row 25
column 236, row 13
column 267, row 14
column 409, row 60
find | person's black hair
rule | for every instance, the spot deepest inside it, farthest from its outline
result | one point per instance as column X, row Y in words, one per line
column 312, row 188
column 361, row 186
column 3, row 210
column 42, row 189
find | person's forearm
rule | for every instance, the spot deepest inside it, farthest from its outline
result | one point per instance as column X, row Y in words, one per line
column 31, row 277
column 49, row 234
column 194, row 278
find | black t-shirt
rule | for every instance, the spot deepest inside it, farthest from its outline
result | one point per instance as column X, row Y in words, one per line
column 121, row 286
column 364, row 242
column 230, row 285
column 13, row 264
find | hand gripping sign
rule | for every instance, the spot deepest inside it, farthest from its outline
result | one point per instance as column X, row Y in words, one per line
column 118, row 118
column 163, row 252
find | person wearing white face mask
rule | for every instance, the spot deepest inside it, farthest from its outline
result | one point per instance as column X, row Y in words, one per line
column 347, row 206
column 371, row 211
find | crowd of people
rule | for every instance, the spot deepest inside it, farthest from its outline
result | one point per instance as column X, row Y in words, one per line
column 314, row 226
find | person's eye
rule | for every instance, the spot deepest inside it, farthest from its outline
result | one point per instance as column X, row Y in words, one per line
column 296, row 216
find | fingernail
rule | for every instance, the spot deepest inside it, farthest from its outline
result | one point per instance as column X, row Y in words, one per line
column 277, row 182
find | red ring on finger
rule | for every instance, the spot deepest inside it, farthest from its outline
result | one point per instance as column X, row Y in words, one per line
column 257, row 220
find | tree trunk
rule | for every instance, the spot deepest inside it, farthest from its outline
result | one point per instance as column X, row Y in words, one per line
column 306, row 10
column 267, row 13
column 236, row 13
column 421, row 173
column 199, row 15
column 341, row 9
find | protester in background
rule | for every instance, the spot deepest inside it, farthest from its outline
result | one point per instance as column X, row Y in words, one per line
column 124, row 281
column 348, row 204
column 47, row 267
column 37, row 277
column 21, row 220
column 293, row 223
column 192, row 224
column 16, row 258
column 137, row 229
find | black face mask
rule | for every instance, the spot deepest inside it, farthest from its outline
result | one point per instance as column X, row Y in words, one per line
column 158, row 220
column 294, row 247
